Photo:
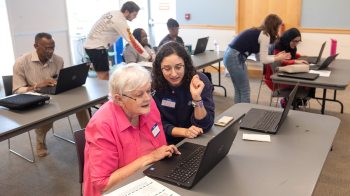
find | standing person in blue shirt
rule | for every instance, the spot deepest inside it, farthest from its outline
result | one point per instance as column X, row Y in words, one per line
column 254, row 40
column 184, row 96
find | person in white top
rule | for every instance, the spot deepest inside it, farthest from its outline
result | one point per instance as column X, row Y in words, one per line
column 255, row 40
column 104, row 34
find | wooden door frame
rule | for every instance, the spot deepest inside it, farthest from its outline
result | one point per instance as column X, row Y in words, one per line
column 296, row 6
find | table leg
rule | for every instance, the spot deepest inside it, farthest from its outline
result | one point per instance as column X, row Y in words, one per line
column 323, row 100
column 219, row 78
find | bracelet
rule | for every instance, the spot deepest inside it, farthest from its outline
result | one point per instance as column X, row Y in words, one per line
column 197, row 103
column 196, row 100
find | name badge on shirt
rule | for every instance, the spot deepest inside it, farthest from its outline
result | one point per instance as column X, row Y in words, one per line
column 168, row 103
column 155, row 130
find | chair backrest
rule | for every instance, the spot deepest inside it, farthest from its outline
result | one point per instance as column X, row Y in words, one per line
column 79, row 137
column 7, row 81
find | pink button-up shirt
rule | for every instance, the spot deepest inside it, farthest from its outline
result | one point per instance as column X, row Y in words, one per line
column 112, row 142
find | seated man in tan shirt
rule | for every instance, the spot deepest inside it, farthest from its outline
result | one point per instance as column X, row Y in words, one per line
column 38, row 69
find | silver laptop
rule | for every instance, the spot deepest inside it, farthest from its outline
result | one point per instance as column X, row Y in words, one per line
column 196, row 160
column 267, row 121
column 68, row 78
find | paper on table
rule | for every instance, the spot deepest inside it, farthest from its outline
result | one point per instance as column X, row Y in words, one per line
column 257, row 137
column 323, row 73
column 143, row 187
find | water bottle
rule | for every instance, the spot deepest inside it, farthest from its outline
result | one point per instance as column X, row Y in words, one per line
column 333, row 49
column 216, row 46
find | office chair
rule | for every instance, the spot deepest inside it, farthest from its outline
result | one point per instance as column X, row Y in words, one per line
column 7, row 82
column 79, row 137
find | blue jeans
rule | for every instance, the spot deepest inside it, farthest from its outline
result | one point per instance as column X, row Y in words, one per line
column 235, row 65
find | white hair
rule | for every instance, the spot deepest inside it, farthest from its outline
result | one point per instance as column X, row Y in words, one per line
column 127, row 78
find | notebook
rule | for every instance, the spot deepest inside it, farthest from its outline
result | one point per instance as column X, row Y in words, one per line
column 267, row 121
column 315, row 59
column 68, row 78
column 201, row 45
column 23, row 101
column 196, row 160
column 304, row 76
column 324, row 64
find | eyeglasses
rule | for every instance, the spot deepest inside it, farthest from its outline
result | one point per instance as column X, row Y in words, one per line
column 168, row 69
column 140, row 95
column 296, row 41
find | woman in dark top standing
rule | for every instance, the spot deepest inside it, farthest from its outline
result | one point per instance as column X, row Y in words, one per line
column 253, row 40
column 184, row 96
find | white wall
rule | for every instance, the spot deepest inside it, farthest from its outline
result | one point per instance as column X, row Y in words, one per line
column 311, row 44
column 222, row 37
column 27, row 18
column 6, row 49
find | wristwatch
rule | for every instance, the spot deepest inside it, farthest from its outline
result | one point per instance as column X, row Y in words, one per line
column 197, row 103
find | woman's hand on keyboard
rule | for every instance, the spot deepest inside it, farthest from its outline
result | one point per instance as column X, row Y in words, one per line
column 161, row 152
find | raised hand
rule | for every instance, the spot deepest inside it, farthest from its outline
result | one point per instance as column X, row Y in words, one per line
column 196, row 87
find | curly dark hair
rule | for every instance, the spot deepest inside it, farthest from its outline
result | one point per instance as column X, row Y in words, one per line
column 137, row 34
column 159, row 83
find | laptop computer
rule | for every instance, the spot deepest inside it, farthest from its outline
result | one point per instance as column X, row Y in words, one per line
column 315, row 59
column 304, row 76
column 23, row 101
column 196, row 160
column 201, row 45
column 68, row 78
column 267, row 121
column 324, row 64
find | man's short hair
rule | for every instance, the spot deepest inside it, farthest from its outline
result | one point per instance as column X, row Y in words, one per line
column 172, row 23
column 130, row 6
column 41, row 35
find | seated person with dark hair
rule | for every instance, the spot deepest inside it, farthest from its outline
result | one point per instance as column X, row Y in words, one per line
column 35, row 70
column 288, row 42
column 184, row 96
column 131, row 55
column 173, row 28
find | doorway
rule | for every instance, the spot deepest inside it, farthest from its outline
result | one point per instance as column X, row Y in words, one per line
column 159, row 13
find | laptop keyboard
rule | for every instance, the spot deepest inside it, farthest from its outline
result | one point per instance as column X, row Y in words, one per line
column 269, row 118
column 47, row 90
column 187, row 166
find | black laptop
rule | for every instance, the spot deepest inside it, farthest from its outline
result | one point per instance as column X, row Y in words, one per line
column 315, row 59
column 68, row 78
column 23, row 101
column 267, row 121
column 195, row 161
column 324, row 64
column 303, row 76
column 201, row 45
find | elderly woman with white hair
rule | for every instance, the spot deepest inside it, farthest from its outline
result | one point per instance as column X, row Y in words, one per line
column 125, row 134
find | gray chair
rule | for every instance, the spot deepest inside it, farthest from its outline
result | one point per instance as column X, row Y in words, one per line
column 7, row 82
column 79, row 137
column 279, row 92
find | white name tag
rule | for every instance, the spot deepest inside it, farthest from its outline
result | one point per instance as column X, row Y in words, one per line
column 168, row 103
column 155, row 130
